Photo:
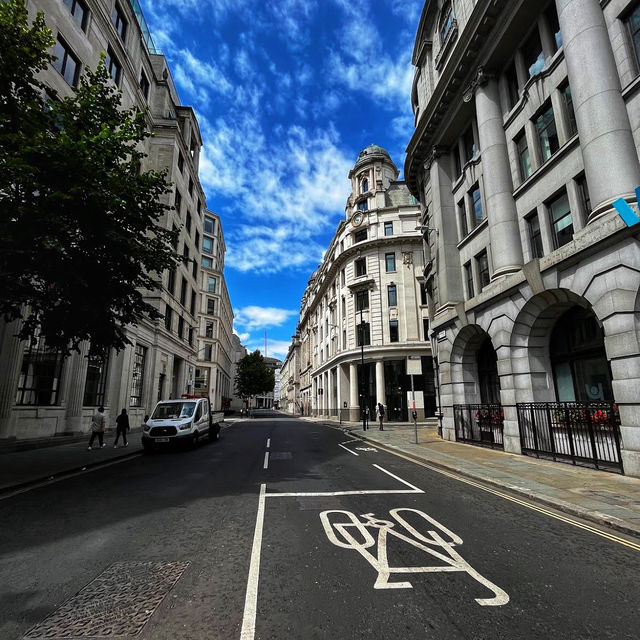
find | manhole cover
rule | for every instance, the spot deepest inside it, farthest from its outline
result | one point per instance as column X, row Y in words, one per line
column 119, row 602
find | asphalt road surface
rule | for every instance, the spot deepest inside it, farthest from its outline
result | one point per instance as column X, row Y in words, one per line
column 285, row 529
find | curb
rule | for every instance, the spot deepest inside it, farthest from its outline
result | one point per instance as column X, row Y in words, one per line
column 565, row 507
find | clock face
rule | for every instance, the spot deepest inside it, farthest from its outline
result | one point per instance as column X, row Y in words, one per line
column 357, row 218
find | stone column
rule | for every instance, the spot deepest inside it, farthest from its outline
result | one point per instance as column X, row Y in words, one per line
column 78, row 364
column 380, row 386
column 11, row 352
column 497, row 184
column 354, row 407
column 610, row 159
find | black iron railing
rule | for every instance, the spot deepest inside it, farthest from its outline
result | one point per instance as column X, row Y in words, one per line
column 479, row 424
column 578, row 432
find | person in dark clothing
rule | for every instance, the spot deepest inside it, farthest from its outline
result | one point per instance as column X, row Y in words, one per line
column 122, row 426
column 97, row 428
column 380, row 412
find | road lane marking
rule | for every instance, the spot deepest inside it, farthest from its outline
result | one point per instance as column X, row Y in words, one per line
column 268, row 442
column 251, row 599
column 266, row 460
column 367, row 449
column 347, row 449
column 557, row 516
column 433, row 544
column 415, row 489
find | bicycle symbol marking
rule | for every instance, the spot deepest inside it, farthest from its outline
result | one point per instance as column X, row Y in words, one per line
column 366, row 449
column 342, row 527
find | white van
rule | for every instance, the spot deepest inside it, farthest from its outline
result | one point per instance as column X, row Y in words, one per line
column 183, row 420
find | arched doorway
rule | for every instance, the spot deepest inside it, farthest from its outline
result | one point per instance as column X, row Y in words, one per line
column 579, row 362
column 488, row 380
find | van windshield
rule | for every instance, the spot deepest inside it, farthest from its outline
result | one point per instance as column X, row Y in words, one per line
column 173, row 410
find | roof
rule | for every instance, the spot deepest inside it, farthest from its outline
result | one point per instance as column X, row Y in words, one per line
column 372, row 152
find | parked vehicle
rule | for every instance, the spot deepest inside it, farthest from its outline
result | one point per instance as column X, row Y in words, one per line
column 181, row 421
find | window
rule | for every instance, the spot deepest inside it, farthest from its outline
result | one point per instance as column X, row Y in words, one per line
column 113, row 66
column 362, row 300
column 633, row 23
column 535, row 236
column 188, row 223
column 207, row 262
column 168, row 318
column 180, row 327
column 211, row 306
column 423, row 293
column 462, row 216
column 392, row 295
column 79, row 11
column 180, row 161
column 547, row 133
column 446, row 22
column 390, row 262
column 194, row 269
column 190, row 186
column 457, row 166
column 96, row 380
column 184, row 288
column 393, row 331
column 388, row 228
column 66, row 62
column 208, row 352
column 363, row 206
column 117, row 18
column 468, row 276
column 211, row 284
column 365, row 186
column 192, row 306
column 425, row 328
column 207, row 246
column 476, row 205
column 562, row 223
column 185, row 253
column 469, row 145
column 571, row 116
column 208, row 330
column 364, row 333
column 171, row 281
column 554, row 25
column 177, row 202
column 190, row 336
column 482, row 262
column 360, row 236
column 360, row 267
column 196, row 240
column 584, row 195
column 524, row 159
column 209, row 225
column 40, row 374
column 137, row 378
column 143, row 83
column 533, row 54
column 511, row 83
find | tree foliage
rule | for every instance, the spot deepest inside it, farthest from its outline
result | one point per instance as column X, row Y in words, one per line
column 254, row 376
column 80, row 238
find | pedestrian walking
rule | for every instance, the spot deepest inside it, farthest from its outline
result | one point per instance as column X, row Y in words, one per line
column 97, row 428
column 122, row 426
column 380, row 414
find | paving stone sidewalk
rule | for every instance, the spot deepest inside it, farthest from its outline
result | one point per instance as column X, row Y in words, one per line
column 597, row 496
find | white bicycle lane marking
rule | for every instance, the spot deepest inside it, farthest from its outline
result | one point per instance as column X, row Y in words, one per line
column 370, row 449
column 434, row 544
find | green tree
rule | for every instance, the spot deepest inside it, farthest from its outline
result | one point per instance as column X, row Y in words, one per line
column 80, row 239
column 254, row 376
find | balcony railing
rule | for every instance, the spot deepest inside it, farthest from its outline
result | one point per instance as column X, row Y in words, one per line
column 479, row 424
column 578, row 432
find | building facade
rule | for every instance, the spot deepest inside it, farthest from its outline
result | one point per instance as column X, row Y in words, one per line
column 290, row 379
column 271, row 399
column 213, row 373
column 363, row 318
column 43, row 393
column 238, row 351
column 527, row 126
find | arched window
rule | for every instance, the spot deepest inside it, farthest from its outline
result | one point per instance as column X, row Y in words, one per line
column 446, row 21
column 580, row 367
column 488, row 373
column 364, row 186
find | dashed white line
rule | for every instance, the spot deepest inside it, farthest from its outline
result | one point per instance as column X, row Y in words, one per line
column 268, row 442
column 266, row 460
column 251, row 599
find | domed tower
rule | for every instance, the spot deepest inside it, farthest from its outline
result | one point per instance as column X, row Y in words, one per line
column 370, row 177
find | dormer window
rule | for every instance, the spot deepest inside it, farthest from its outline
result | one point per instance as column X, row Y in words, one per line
column 365, row 185
column 446, row 21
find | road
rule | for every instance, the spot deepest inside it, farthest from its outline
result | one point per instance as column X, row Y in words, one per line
column 286, row 529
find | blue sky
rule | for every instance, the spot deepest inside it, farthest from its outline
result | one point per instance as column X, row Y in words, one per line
column 287, row 94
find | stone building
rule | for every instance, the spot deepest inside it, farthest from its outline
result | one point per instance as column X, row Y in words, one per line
column 363, row 318
column 527, row 119
column 238, row 351
column 213, row 374
column 290, row 379
column 43, row 393
column 269, row 400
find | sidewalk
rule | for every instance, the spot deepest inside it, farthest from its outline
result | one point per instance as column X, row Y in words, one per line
column 601, row 497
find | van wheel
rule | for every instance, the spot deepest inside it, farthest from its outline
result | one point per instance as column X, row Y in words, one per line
column 194, row 439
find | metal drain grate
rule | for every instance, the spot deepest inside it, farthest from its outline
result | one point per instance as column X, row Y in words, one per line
column 119, row 602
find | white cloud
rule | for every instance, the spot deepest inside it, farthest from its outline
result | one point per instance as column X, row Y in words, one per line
column 275, row 348
column 253, row 317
